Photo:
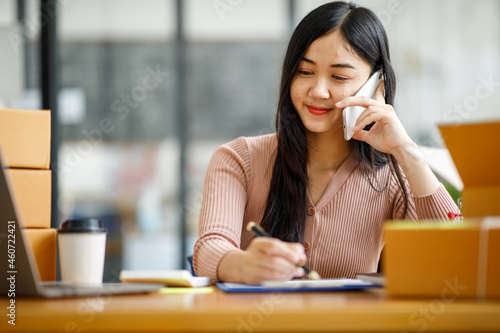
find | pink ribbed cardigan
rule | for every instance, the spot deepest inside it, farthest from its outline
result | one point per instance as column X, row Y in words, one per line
column 343, row 234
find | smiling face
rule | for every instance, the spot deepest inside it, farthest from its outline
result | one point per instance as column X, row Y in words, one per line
column 329, row 71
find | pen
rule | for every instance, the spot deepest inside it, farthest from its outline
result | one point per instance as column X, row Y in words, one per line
column 258, row 231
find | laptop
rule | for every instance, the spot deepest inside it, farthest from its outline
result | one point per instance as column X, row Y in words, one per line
column 19, row 275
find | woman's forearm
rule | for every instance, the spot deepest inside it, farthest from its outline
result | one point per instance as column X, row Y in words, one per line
column 420, row 177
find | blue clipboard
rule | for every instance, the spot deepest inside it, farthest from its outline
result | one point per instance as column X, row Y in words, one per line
column 298, row 286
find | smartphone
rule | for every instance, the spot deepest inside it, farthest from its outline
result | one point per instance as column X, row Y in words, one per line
column 351, row 113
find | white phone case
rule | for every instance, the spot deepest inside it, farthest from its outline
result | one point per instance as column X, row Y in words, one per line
column 351, row 113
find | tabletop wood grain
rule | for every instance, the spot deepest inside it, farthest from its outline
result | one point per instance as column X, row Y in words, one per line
column 355, row 311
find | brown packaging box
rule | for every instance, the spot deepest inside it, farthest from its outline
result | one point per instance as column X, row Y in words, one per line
column 446, row 259
column 25, row 138
column 31, row 190
column 443, row 259
column 43, row 246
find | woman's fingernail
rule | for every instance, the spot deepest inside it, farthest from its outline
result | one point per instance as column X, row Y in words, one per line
column 300, row 272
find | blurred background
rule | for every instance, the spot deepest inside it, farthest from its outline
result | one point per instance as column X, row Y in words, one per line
column 144, row 91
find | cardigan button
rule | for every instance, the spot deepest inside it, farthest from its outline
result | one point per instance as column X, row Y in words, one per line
column 310, row 211
column 307, row 246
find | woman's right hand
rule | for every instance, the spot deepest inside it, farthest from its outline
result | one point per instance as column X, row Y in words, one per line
column 265, row 259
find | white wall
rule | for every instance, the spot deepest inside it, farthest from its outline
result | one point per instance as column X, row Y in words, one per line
column 237, row 20
column 154, row 20
column 8, row 12
column 444, row 51
column 11, row 53
column 106, row 20
column 117, row 20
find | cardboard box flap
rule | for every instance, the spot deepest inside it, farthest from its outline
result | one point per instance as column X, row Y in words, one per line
column 475, row 151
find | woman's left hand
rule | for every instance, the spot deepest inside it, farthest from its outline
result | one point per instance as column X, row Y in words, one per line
column 389, row 136
column 387, row 133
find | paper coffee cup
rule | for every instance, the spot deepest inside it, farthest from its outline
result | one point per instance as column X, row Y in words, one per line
column 82, row 248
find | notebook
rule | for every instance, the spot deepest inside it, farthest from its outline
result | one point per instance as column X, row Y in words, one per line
column 171, row 278
column 377, row 278
column 298, row 286
column 20, row 271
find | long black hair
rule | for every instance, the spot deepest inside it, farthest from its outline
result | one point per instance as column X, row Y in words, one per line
column 285, row 212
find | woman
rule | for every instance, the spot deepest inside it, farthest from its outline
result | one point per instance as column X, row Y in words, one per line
column 323, row 198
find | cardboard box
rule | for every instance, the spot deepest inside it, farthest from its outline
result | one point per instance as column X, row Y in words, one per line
column 43, row 246
column 443, row 259
column 25, row 138
column 31, row 189
column 451, row 259
column 476, row 154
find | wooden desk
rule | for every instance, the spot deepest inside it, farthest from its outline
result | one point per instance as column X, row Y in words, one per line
column 284, row 312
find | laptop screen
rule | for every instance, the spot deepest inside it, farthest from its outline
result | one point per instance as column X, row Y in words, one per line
column 18, row 271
